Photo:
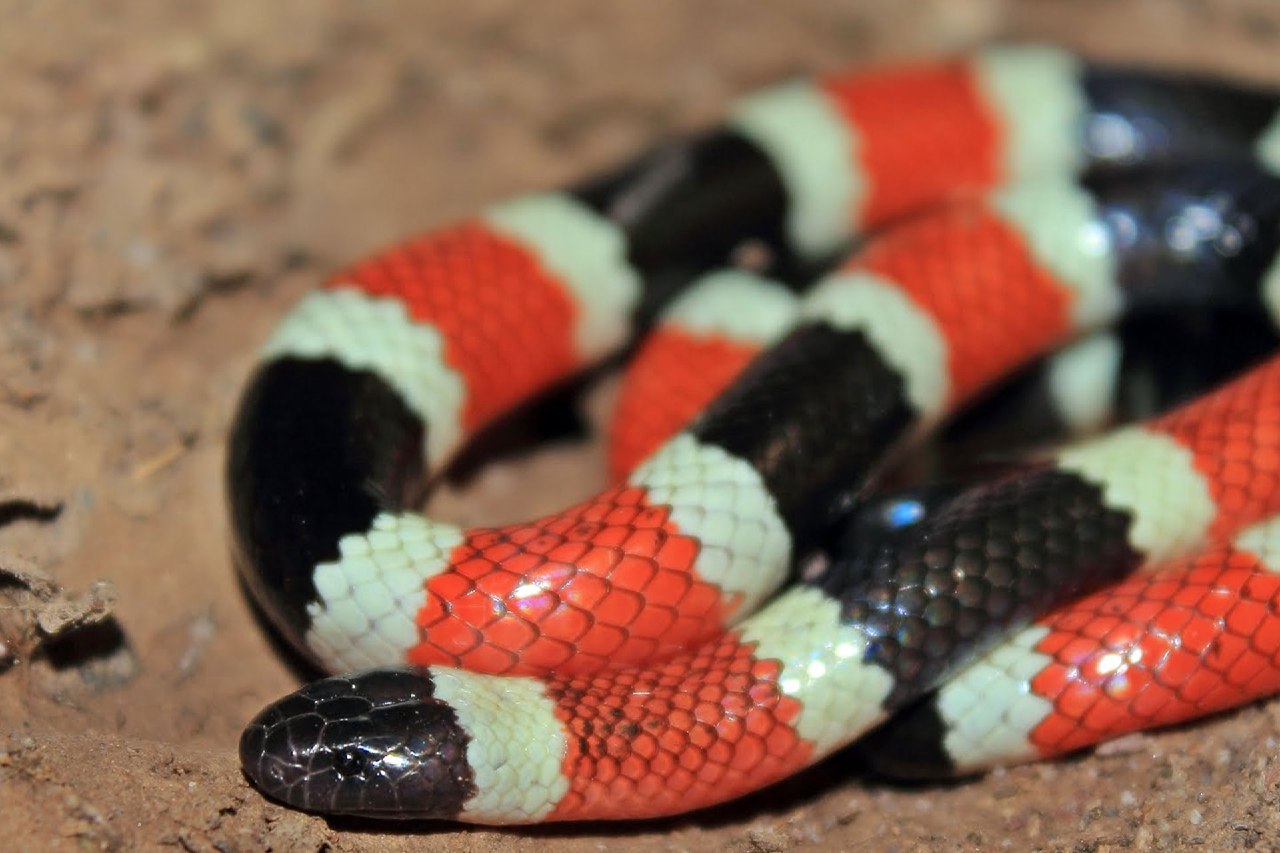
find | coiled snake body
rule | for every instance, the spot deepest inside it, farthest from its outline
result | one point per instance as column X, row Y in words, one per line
column 624, row 658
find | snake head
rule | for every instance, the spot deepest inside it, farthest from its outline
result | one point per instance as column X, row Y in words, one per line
column 375, row 744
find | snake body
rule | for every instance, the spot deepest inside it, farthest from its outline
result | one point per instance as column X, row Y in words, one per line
column 635, row 681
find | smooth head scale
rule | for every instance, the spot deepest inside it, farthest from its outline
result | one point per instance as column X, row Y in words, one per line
column 375, row 744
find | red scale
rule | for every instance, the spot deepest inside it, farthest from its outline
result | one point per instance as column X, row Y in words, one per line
column 508, row 326
column 950, row 141
column 994, row 305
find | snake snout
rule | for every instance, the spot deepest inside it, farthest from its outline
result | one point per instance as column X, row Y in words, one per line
column 375, row 744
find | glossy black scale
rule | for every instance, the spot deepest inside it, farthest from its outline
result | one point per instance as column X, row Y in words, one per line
column 688, row 205
column 1152, row 118
column 1190, row 236
column 990, row 559
column 815, row 416
column 1166, row 357
column 316, row 452
column 375, row 743
column 1193, row 244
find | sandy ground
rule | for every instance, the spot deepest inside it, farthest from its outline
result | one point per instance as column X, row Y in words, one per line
column 173, row 175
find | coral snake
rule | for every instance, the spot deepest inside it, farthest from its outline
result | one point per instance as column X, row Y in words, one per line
column 631, row 656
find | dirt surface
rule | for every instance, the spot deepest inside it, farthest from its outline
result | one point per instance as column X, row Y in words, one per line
column 174, row 175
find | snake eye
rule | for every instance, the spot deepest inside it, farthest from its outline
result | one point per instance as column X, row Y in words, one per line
column 351, row 761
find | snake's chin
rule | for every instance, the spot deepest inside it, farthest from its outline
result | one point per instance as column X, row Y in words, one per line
column 374, row 744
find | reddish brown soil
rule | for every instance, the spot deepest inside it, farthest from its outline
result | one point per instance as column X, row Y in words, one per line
column 173, row 175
